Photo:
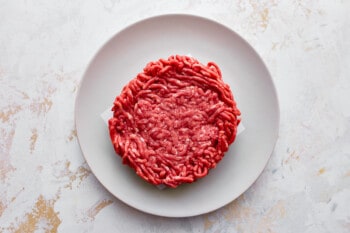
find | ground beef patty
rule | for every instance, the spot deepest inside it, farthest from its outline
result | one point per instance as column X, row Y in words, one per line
column 174, row 121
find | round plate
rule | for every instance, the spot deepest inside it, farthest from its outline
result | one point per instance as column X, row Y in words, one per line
column 124, row 56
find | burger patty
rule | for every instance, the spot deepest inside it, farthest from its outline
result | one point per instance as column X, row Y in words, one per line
column 174, row 121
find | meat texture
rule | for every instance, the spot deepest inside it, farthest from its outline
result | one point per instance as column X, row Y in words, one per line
column 174, row 121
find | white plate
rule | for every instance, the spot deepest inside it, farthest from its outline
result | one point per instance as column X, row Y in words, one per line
column 123, row 56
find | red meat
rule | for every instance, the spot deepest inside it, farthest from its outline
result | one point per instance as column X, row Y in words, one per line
column 174, row 121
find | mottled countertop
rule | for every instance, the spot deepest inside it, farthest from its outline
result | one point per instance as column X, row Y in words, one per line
column 45, row 183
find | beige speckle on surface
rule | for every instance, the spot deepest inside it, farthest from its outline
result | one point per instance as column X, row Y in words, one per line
column 207, row 222
column 97, row 207
column 5, row 114
column 321, row 171
column 292, row 157
column 5, row 146
column 264, row 14
column 42, row 211
column 237, row 210
column 72, row 176
column 347, row 174
column 72, row 135
column 41, row 105
column 2, row 208
column 33, row 139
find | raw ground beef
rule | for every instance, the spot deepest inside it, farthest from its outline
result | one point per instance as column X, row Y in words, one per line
column 174, row 121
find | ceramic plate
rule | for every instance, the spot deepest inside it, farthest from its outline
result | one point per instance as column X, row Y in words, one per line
column 123, row 56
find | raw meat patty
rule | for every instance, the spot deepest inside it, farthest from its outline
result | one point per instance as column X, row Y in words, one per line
column 174, row 121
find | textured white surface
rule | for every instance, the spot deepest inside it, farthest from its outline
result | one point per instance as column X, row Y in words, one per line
column 45, row 184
